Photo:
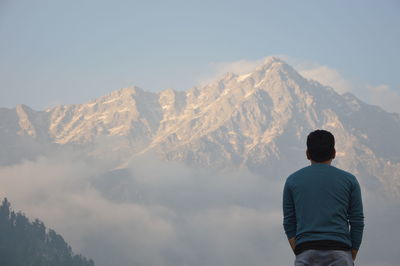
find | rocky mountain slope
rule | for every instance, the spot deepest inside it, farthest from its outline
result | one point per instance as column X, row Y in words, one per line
column 259, row 120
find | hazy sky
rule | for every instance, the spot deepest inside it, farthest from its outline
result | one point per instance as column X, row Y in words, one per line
column 71, row 51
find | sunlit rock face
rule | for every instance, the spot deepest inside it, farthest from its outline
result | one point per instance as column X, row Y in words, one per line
column 258, row 121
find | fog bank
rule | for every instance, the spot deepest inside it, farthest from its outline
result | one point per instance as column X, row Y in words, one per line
column 157, row 213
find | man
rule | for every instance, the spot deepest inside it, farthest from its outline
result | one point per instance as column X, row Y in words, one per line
column 320, row 202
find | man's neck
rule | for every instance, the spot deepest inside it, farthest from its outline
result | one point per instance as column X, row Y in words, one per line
column 328, row 162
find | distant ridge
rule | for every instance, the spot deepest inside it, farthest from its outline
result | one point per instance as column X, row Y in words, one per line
column 258, row 121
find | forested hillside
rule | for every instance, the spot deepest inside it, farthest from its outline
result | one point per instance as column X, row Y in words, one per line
column 26, row 243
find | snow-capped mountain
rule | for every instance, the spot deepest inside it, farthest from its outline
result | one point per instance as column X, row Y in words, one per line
column 259, row 120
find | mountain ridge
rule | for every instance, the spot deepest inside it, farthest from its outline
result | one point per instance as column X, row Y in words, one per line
column 258, row 120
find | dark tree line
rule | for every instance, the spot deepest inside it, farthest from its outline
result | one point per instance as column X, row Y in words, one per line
column 25, row 243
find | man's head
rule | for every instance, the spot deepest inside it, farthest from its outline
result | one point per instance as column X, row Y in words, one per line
column 321, row 146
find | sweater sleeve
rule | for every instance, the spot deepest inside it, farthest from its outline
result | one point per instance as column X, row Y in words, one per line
column 289, row 214
column 356, row 216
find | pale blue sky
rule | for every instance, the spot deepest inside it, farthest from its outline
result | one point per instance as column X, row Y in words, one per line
column 73, row 51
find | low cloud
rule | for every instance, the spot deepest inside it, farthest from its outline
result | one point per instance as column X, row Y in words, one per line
column 158, row 213
column 386, row 97
column 153, row 213
column 381, row 95
column 328, row 77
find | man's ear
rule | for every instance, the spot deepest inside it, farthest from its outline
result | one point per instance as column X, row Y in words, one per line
column 333, row 153
column 308, row 155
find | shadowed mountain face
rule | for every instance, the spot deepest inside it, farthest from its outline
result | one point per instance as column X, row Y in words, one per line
column 258, row 121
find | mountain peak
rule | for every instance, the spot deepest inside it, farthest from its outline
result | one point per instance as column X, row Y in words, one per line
column 272, row 59
column 229, row 75
column 274, row 63
column 123, row 94
column 131, row 90
column 272, row 67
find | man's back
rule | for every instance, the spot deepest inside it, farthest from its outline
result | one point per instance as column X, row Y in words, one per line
column 320, row 203
column 323, row 200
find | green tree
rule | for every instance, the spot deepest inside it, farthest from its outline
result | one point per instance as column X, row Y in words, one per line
column 26, row 243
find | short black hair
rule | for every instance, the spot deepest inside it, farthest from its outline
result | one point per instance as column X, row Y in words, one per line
column 320, row 145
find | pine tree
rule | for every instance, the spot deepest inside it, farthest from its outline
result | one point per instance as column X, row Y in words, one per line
column 25, row 243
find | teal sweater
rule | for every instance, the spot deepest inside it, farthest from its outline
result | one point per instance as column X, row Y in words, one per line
column 321, row 202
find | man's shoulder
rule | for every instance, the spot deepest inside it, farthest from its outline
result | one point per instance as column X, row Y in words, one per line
column 298, row 173
column 312, row 169
column 343, row 173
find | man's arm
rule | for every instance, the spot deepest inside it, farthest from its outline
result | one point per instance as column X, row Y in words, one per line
column 354, row 253
column 292, row 242
column 289, row 215
column 356, row 218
